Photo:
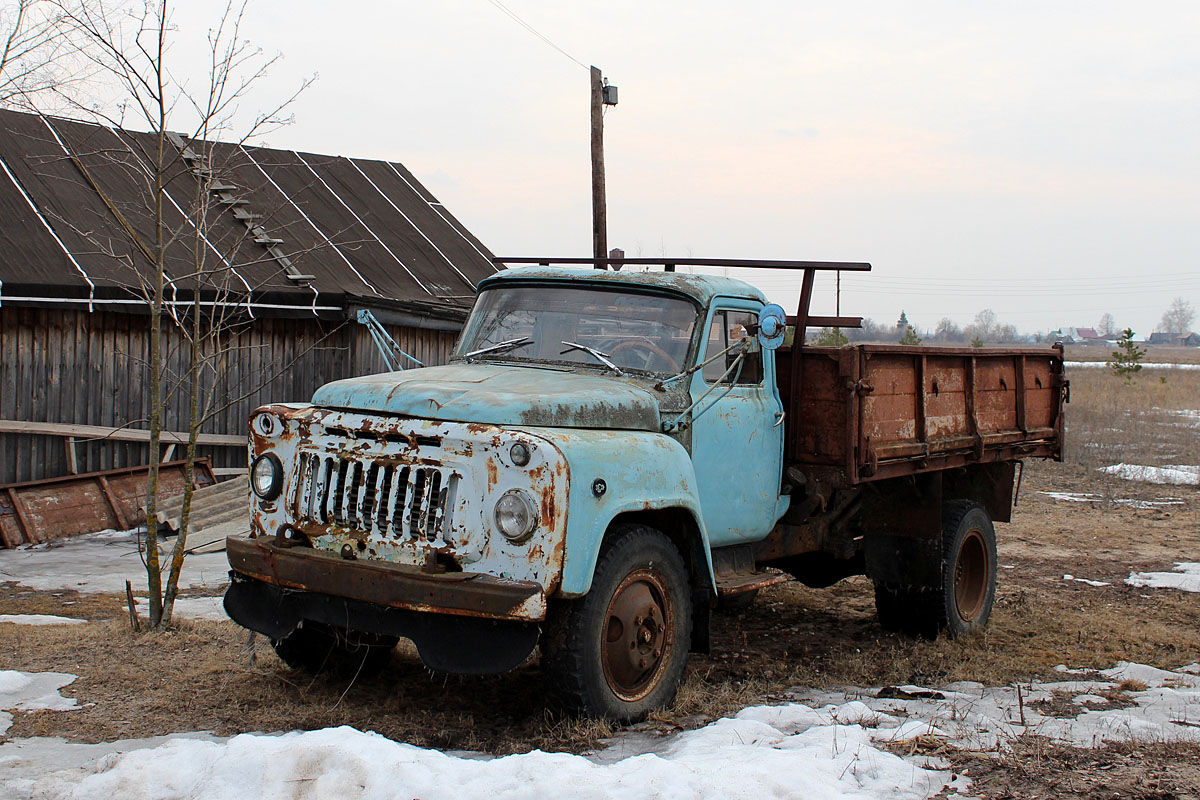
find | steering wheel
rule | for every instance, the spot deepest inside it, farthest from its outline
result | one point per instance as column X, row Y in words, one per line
column 650, row 351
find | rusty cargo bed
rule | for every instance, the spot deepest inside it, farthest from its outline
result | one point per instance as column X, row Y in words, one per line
column 868, row 412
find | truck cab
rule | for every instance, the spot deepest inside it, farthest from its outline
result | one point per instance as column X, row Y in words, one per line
column 600, row 460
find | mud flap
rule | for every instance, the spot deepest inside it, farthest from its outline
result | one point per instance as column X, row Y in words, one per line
column 446, row 642
column 903, row 562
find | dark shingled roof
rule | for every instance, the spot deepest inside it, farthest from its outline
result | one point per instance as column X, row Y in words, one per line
column 364, row 231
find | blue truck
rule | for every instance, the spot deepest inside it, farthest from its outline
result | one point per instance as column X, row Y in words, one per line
column 611, row 455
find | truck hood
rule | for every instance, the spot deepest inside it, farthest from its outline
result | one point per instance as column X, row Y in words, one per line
column 499, row 395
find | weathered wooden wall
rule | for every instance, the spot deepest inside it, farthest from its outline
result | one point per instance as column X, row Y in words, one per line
column 75, row 366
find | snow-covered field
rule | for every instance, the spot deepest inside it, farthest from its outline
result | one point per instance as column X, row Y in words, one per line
column 1147, row 365
column 845, row 743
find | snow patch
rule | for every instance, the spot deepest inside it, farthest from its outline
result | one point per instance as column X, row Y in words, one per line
column 32, row 691
column 1085, row 580
column 798, row 753
column 211, row 608
column 100, row 563
column 1148, row 504
column 39, row 619
column 1186, row 577
column 823, row 744
column 1074, row 497
column 1182, row 474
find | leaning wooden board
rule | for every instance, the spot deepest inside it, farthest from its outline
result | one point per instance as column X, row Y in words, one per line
column 39, row 511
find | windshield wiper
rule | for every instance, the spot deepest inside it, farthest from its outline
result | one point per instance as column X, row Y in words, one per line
column 601, row 357
column 511, row 344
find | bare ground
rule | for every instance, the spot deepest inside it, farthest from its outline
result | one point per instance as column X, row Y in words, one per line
column 210, row 676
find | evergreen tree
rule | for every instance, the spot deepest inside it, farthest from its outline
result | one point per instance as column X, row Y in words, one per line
column 831, row 337
column 910, row 336
column 1125, row 359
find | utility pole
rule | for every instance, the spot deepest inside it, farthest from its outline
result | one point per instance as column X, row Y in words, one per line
column 602, row 95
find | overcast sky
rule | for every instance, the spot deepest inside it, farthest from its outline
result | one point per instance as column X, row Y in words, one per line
column 1039, row 159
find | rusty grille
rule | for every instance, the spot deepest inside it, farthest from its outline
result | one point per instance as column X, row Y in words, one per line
column 395, row 500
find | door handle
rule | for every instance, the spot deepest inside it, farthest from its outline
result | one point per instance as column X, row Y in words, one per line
column 779, row 415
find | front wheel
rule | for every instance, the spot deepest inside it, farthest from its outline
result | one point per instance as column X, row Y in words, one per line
column 619, row 652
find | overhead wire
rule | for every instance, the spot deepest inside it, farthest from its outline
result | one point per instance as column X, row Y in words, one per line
column 517, row 19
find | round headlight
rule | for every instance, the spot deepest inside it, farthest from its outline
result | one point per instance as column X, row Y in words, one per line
column 266, row 476
column 519, row 453
column 515, row 516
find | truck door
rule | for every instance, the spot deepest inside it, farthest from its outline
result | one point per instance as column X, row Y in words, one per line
column 737, row 448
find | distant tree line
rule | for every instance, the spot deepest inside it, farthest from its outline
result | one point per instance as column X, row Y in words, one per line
column 985, row 329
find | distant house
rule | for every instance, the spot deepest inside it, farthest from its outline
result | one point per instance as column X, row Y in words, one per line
column 308, row 240
column 1191, row 340
column 1079, row 336
column 1163, row 337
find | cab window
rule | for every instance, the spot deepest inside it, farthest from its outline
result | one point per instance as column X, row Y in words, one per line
column 727, row 327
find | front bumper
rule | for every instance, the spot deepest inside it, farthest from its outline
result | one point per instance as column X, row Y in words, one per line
column 386, row 584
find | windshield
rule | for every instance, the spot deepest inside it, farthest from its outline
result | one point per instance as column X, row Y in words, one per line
column 569, row 324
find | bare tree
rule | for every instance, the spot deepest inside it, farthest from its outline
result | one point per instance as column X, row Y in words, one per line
column 948, row 330
column 189, row 279
column 1177, row 319
column 1107, row 325
column 987, row 328
column 36, row 51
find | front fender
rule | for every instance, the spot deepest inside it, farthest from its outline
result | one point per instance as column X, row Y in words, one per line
column 641, row 471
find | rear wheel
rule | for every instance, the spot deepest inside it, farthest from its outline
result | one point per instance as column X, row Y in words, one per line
column 318, row 648
column 619, row 651
column 962, row 602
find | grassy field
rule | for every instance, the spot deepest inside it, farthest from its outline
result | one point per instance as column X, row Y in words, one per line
column 1153, row 420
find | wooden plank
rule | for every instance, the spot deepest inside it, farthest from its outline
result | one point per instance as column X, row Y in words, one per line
column 114, row 434
column 112, row 502
column 72, row 463
column 26, row 524
column 1021, row 421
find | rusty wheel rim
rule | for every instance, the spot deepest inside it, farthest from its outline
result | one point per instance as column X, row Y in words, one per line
column 970, row 576
column 637, row 636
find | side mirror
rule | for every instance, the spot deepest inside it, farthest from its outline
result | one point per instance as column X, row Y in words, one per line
column 772, row 325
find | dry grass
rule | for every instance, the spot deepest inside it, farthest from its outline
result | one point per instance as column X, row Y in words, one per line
column 1110, row 421
column 202, row 676
column 1033, row 767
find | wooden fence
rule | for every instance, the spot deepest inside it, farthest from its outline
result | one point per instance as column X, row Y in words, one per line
column 78, row 368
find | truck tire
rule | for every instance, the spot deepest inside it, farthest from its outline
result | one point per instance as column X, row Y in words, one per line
column 619, row 652
column 963, row 601
column 317, row 648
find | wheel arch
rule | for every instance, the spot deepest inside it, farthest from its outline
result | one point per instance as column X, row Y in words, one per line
column 627, row 476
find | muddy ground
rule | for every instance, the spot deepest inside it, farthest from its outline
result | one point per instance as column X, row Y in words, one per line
column 211, row 676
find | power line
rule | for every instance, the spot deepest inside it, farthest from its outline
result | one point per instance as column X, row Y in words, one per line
column 513, row 16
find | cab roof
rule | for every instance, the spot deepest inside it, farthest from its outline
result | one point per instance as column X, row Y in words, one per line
column 702, row 288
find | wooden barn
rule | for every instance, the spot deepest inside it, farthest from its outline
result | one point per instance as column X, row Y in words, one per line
column 293, row 247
